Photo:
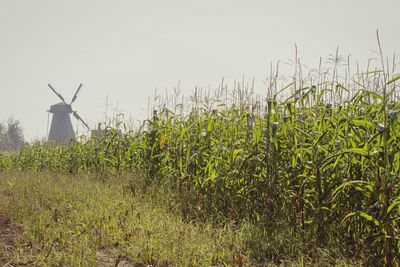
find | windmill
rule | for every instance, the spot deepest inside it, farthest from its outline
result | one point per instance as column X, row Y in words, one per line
column 61, row 130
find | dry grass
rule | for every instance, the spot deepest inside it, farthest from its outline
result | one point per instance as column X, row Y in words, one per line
column 77, row 221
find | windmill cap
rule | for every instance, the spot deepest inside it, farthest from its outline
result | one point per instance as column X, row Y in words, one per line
column 60, row 107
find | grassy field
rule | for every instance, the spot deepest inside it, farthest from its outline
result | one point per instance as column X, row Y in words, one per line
column 65, row 220
column 224, row 178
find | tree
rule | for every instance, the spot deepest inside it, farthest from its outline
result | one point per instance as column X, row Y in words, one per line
column 14, row 134
column 3, row 137
column 11, row 135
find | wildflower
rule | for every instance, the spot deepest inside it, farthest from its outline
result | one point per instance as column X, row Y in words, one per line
column 375, row 207
column 392, row 115
column 381, row 127
column 275, row 125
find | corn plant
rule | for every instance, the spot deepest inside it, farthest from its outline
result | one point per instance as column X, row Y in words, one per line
column 323, row 161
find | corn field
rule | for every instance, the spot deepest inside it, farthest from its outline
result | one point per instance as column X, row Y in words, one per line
column 322, row 160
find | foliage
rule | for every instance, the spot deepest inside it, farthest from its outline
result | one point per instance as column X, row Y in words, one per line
column 11, row 135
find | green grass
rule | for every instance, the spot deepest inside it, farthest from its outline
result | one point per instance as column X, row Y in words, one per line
column 65, row 220
column 68, row 219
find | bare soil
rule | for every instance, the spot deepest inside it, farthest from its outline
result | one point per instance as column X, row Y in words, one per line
column 7, row 242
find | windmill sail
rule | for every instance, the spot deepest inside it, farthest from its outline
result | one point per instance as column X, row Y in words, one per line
column 76, row 94
column 57, row 93
column 80, row 119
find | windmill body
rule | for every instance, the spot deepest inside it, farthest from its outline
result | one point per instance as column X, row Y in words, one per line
column 61, row 130
column 61, row 127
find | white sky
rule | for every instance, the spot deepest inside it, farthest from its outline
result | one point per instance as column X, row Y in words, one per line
column 127, row 48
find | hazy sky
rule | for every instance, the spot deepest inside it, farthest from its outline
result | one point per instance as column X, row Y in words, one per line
column 127, row 48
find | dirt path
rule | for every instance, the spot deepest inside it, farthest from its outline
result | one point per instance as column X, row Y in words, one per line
column 7, row 242
column 104, row 260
